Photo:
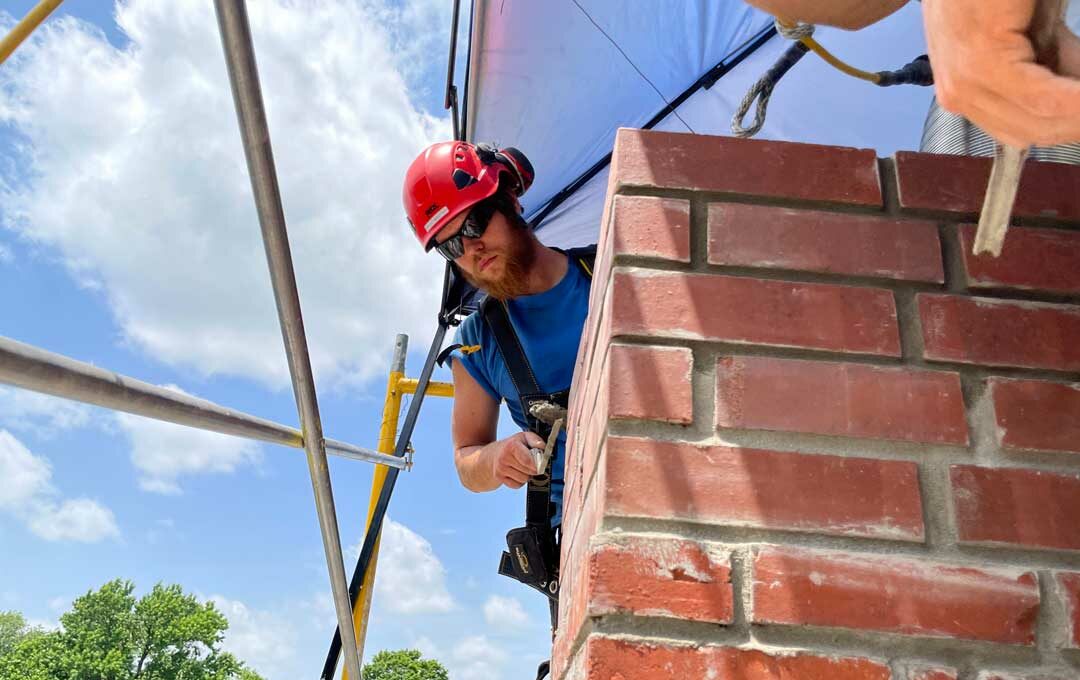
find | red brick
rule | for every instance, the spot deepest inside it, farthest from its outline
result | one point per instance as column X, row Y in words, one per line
column 1069, row 585
column 1000, row 332
column 851, row 400
column 1037, row 415
column 666, row 577
column 749, row 167
column 581, row 462
column 1032, row 259
column 958, row 184
column 755, row 311
column 929, row 673
column 620, row 659
column 832, row 243
column 565, row 668
column 800, row 587
column 652, row 226
column 575, row 580
column 1027, row 508
column 595, row 419
column 651, row 382
column 765, row 489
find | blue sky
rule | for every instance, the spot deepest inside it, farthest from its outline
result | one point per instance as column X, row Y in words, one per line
column 128, row 239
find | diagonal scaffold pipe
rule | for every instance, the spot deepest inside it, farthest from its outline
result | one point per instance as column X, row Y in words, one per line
column 39, row 370
column 247, row 95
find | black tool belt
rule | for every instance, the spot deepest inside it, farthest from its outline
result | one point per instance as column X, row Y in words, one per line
column 532, row 554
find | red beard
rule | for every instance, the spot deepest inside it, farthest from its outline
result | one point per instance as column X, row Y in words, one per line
column 512, row 281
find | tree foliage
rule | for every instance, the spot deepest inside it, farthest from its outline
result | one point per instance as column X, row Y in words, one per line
column 404, row 664
column 13, row 630
column 109, row 634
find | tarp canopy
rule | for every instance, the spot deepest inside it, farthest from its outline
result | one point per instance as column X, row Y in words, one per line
column 556, row 79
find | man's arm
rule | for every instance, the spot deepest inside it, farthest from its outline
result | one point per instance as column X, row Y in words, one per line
column 849, row 14
column 484, row 463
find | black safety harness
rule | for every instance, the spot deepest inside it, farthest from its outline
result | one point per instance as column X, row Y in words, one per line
column 532, row 554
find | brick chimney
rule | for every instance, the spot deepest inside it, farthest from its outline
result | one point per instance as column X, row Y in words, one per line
column 812, row 436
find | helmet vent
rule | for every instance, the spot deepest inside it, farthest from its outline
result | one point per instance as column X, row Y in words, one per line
column 463, row 179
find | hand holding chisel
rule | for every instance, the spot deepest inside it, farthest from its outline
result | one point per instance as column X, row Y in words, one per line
column 1009, row 160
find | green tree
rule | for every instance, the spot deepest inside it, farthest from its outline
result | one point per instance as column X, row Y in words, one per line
column 109, row 634
column 13, row 630
column 404, row 664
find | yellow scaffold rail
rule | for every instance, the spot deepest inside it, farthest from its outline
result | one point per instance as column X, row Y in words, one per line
column 396, row 387
column 24, row 28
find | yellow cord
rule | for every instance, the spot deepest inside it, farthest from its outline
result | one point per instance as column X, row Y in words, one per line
column 831, row 59
column 838, row 63
column 469, row 349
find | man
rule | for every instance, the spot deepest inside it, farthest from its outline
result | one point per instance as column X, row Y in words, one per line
column 984, row 62
column 462, row 201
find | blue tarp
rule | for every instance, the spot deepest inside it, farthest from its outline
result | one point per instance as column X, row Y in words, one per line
column 556, row 79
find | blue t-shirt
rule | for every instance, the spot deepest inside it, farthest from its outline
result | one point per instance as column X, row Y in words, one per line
column 549, row 325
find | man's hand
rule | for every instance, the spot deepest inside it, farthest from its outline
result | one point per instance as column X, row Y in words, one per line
column 984, row 68
column 511, row 462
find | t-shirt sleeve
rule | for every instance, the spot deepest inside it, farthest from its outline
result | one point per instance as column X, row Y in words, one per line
column 468, row 334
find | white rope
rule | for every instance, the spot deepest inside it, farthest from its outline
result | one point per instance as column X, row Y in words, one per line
column 763, row 88
column 796, row 32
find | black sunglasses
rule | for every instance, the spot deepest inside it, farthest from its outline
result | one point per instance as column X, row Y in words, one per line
column 476, row 223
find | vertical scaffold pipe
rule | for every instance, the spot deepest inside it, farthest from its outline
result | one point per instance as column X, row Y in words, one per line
column 247, row 95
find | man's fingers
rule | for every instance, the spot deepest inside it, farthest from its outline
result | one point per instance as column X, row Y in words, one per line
column 517, row 476
column 518, row 462
column 984, row 67
column 1068, row 53
column 1032, row 107
column 534, row 441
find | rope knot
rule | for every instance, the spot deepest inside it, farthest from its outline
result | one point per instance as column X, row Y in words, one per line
column 798, row 31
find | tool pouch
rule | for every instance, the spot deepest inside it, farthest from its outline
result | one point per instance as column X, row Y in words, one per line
column 527, row 558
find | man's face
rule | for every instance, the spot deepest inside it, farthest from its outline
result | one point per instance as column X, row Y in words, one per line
column 499, row 260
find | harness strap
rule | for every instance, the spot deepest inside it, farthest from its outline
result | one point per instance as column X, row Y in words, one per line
column 538, row 494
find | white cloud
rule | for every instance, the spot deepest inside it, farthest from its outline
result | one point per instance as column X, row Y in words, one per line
column 264, row 640
column 410, row 578
column 505, row 612
column 5, row 254
column 142, row 186
column 26, row 476
column 41, row 414
column 163, row 452
column 476, row 658
column 80, row 519
column 29, row 495
column 427, row 647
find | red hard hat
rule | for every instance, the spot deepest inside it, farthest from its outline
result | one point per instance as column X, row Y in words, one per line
column 448, row 178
